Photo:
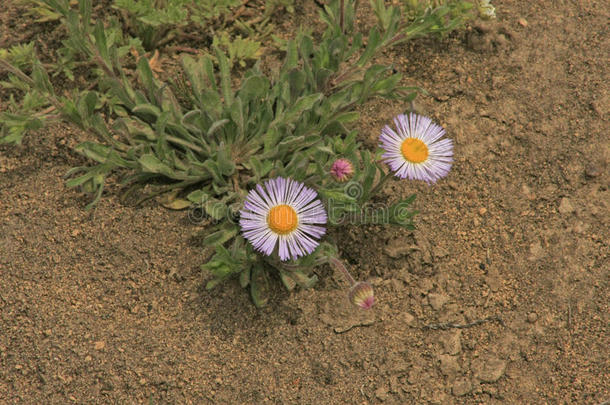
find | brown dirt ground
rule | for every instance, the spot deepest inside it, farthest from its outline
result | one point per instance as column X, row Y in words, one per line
column 100, row 308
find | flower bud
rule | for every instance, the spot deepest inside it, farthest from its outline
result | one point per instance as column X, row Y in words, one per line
column 361, row 295
column 342, row 170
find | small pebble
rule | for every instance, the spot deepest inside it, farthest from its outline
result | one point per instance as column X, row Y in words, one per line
column 437, row 301
column 536, row 250
column 451, row 342
column 398, row 248
column 448, row 365
column 592, row 170
column 489, row 370
column 461, row 387
column 381, row 393
column 425, row 285
column 532, row 317
column 439, row 252
column 522, row 22
column 408, row 319
column 566, row 206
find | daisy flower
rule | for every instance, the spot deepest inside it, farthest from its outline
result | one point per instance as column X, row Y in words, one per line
column 416, row 152
column 284, row 211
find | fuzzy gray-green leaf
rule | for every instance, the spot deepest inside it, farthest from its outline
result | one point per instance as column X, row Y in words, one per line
column 259, row 286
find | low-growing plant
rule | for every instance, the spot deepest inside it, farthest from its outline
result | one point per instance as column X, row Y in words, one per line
column 43, row 11
column 448, row 14
column 154, row 23
column 158, row 21
column 21, row 55
column 270, row 163
column 22, row 114
column 153, row 20
column 238, row 50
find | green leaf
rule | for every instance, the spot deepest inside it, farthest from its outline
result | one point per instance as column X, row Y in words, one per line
column 198, row 196
column 225, row 163
column 151, row 164
column 237, row 115
column 77, row 181
column 101, row 44
column 288, row 281
column 221, row 236
column 259, row 286
column 90, row 101
column 85, row 10
column 215, row 209
column 16, row 126
column 298, row 81
column 348, row 117
column 325, row 149
column 302, row 104
column 41, row 78
column 177, row 204
column 369, row 177
column 400, row 213
column 225, row 76
column 244, row 277
column 373, row 73
column 213, row 283
column 373, row 44
column 260, row 169
column 147, row 112
column 208, row 68
column 93, row 151
column 216, row 126
column 271, row 138
column 147, row 77
column 386, row 86
column 303, row 280
column 291, row 59
column 254, row 88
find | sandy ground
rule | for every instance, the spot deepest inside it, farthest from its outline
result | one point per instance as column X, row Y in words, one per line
column 510, row 255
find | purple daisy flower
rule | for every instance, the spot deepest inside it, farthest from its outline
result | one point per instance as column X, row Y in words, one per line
column 283, row 210
column 416, row 152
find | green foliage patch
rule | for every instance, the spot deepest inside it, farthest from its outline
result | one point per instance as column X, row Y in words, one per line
column 213, row 143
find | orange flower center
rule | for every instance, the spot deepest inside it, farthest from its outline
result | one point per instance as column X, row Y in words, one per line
column 282, row 219
column 414, row 150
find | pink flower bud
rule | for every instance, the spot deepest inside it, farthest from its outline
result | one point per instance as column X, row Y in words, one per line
column 342, row 170
column 361, row 295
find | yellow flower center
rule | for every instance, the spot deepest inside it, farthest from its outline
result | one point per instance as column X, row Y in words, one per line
column 282, row 219
column 414, row 150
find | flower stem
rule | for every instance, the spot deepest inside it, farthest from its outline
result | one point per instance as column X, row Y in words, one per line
column 341, row 20
column 379, row 185
column 338, row 264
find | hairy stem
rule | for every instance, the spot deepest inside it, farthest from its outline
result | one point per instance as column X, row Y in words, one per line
column 379, row 185
column 342, row 17
column 338, row 264
column 19, row 73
